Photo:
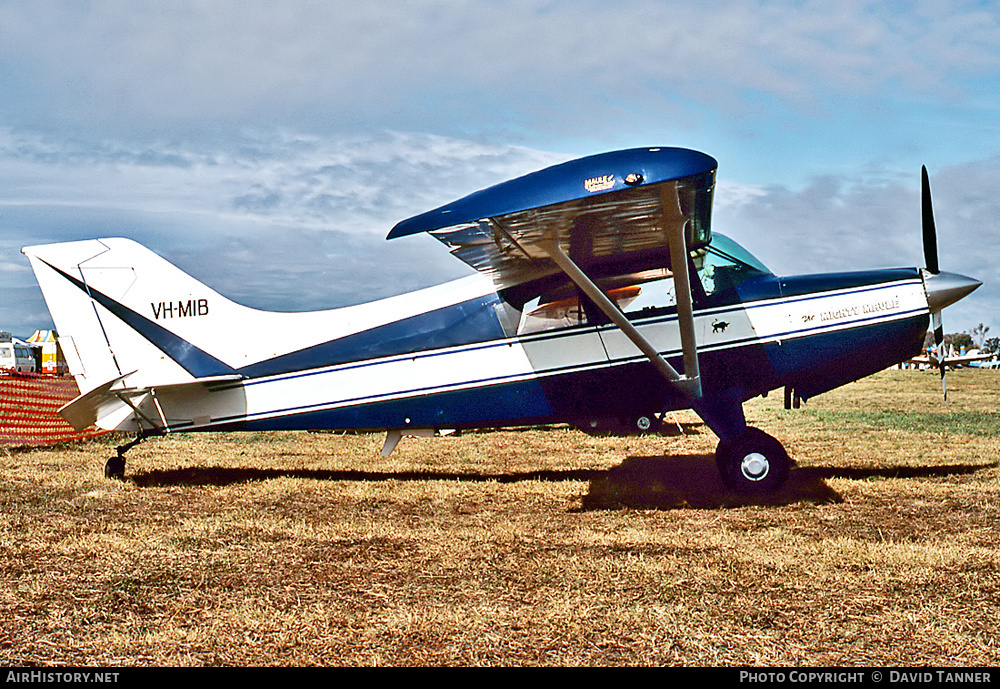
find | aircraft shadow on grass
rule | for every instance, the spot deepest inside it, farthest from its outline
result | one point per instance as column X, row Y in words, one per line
column 688, row 481
column 693, row 482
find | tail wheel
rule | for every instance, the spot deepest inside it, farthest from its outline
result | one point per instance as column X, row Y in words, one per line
column 753, row 463
column 115, row 468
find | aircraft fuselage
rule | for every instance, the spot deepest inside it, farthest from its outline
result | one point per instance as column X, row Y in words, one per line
column 470, row 369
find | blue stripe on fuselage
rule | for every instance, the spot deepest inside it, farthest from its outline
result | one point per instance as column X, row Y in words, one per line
column 466, row 323
column 815, row 285
column 511, row 403
column 816, row 363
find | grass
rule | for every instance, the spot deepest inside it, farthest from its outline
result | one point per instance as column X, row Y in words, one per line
column 521, row 547
column 969, row 423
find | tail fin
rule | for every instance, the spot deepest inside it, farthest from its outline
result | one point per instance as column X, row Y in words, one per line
column 144, row 339
column 121, row 310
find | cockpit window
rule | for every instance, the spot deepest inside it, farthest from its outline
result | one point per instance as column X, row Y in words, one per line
column 719, row 268
column 724, row 264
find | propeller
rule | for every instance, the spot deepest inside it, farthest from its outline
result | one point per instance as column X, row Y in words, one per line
column 942, row 288
column 929, row 229
column 931, row 266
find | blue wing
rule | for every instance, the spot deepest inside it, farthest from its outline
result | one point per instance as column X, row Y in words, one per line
column 610, row 212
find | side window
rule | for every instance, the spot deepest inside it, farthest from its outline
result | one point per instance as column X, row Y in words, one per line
column 648, row 298
column 564, row 308
column 545, row 313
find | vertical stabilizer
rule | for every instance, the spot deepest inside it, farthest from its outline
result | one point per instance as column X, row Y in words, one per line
column 121, row 310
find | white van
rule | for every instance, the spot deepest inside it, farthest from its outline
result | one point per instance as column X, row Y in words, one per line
column 18, row 357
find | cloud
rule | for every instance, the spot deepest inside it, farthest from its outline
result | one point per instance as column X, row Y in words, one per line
column 473, row 67
column 279, row 221
column 287, row 222
column 842, row 223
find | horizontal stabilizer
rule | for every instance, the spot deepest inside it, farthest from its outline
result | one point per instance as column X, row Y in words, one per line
column 106, row 404
column 84, row 411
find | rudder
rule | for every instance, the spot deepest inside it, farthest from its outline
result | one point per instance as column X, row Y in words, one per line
column 121, row 310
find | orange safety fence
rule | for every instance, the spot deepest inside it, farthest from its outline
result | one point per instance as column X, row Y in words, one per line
column 29, row 403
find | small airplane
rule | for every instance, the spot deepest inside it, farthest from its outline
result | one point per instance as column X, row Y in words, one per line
column 602, row 299
column 949, row 358
column 937, row 356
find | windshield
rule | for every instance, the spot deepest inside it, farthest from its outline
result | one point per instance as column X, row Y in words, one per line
column 724, row 264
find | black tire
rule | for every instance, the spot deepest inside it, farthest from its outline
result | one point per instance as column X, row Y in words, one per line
column 115, row 468
column 753, row 463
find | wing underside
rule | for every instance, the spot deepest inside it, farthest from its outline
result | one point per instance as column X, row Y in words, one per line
column 607, row 215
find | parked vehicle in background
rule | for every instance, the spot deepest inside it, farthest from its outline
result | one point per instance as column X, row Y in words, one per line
column 16, row 356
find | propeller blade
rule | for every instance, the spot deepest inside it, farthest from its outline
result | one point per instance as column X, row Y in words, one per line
column 932, row 267
column 939, row 351
column 938, row 334
column 944, row 382
column 929, row 230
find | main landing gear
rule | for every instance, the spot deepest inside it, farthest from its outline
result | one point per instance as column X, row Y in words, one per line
column 749, row 460
column 634, row 424
column 753, row 462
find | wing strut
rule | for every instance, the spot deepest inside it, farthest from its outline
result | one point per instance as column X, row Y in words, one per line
column 690, row 382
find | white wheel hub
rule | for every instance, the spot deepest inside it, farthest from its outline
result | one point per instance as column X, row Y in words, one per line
column 754, row 466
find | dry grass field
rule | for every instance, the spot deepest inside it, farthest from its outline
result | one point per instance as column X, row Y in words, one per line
column 532, row 547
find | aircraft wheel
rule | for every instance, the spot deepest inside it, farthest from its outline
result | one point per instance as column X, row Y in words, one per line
column 647, row 423
column 115, row 468
column 753, row 463
column 621, row 426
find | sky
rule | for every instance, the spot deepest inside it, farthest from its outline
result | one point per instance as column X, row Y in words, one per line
column 267, row 148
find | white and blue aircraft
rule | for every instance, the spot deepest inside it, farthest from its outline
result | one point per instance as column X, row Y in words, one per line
column 602, row 300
